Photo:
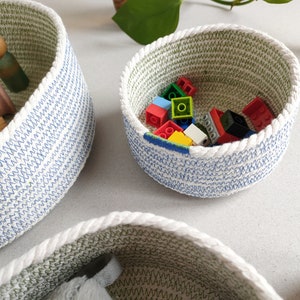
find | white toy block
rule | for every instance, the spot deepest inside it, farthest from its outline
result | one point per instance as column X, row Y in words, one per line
column 196, row 134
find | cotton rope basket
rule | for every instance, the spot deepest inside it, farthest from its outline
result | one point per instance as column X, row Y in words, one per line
column 45, row 145
column 230, row 65
column 160, row 259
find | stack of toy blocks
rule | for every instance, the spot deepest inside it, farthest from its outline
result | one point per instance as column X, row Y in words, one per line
column 172, row 114
column 225, row 127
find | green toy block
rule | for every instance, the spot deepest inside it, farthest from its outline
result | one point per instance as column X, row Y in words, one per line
column 173, row 91
column 182, row 108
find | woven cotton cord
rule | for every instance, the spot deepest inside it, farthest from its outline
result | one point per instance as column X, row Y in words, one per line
column 20, row 116
column 222, row 252
column 286, row 115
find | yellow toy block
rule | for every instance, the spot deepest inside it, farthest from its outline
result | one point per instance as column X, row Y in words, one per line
column 180, row 138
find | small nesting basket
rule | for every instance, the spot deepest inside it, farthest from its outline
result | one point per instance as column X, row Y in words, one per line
column 160, row 259
column 230, row 65
column 45, row 145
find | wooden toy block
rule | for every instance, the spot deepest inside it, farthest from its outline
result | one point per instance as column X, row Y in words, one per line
column 6, row 105
column 2, row 123
column 11, row 72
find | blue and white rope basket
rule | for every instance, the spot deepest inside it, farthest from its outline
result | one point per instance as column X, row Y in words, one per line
column 230, row 65
column 160, row 259
column 45, row 145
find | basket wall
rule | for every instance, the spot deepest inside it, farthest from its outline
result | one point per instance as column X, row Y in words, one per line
column 230, row 65
column 45, row 145
column 160, row 258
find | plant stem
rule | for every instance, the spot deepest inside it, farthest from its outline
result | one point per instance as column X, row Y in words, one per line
column 233, row 2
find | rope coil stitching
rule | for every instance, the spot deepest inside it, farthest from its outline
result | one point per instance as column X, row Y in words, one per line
column 231, row 64
column 45, row 145
column 231, row 261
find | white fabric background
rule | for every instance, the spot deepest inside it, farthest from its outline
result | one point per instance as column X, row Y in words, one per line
column 261, row 224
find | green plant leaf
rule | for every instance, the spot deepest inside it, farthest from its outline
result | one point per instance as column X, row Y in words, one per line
column 277, row 1
column 147, row 20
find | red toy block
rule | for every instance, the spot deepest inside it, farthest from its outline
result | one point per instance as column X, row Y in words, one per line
column 167, row 129
column 224, row 136
column 156, row 115
column 259, row 113
column 186, row 85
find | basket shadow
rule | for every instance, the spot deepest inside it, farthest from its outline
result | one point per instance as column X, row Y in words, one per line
column 295, row 295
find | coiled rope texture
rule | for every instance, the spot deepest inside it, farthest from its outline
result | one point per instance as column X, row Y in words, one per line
column 231, row 65
column 198, row 247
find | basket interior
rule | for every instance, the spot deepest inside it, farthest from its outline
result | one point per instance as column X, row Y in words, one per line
column 229, row 68
column 31, row 36
column 156, row 265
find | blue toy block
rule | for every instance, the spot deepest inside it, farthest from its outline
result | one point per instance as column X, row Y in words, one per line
column 249, row 133
column 162, row 102
column 185, row 123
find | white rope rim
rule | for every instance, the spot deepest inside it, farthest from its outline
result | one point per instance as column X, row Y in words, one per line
column 233, row 262
column 227, row 148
